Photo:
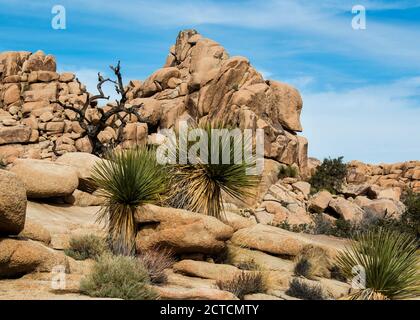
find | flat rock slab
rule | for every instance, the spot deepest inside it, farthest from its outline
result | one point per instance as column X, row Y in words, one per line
column 281, row 242
column 238, row 256
column 206, row 270
column 179, row 280
column 63, row 221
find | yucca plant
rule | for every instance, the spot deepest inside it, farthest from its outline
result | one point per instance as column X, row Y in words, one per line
column 200, row 186
column 390, row 263
column 128, row 179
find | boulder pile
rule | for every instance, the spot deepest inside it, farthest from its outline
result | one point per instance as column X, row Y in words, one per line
column 199, row 82
column 403, row 175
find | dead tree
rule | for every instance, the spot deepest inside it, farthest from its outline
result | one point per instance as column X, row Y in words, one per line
column 118, row 112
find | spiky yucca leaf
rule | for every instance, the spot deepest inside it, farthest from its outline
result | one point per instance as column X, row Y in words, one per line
column 128, row 179
column 199, row 186
column 390, row 261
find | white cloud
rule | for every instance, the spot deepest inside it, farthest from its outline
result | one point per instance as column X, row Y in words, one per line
column 327, row 21
column 368, row 123
column 265, row 73
column 301, row 82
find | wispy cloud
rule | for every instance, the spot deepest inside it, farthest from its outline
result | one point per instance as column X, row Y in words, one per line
column 374, row 123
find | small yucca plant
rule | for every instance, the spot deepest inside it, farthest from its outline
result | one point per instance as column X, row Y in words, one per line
column 128, row 179
column 390, row 263
column 200, row 186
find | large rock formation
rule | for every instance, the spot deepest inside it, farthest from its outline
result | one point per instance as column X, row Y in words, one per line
column 198, row 82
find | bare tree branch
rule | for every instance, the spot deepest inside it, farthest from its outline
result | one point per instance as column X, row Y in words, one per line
column 92, row 130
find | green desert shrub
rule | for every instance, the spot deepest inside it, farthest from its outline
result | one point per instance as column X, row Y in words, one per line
column 390, row 262
column 86, row 247
column 244, row 283
column 155, row 262
column 410, row 220
column 330, row 176
column 121, row 277
column 287, row 172
column 301, row 289
column 200, row 186
column 312, row 262
column 408, row 223
column 128, row 180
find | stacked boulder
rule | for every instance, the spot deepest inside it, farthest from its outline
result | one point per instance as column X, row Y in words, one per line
column 200, row 82
column 402, row 175
column 289, row 201
column 33, row 122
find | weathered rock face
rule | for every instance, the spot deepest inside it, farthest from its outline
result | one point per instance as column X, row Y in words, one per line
column 206, row 270
column 36, row 232
column 12, row 204
column 230, row 89
column 45, row 179
column 180, row 231
column 200, row 82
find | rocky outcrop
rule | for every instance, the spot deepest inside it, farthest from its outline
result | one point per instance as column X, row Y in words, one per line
column 180, row 231
column 12, row 204
column 401, row 175
column 199, row 82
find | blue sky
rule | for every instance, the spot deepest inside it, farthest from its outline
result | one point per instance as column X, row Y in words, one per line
column 361, row 88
